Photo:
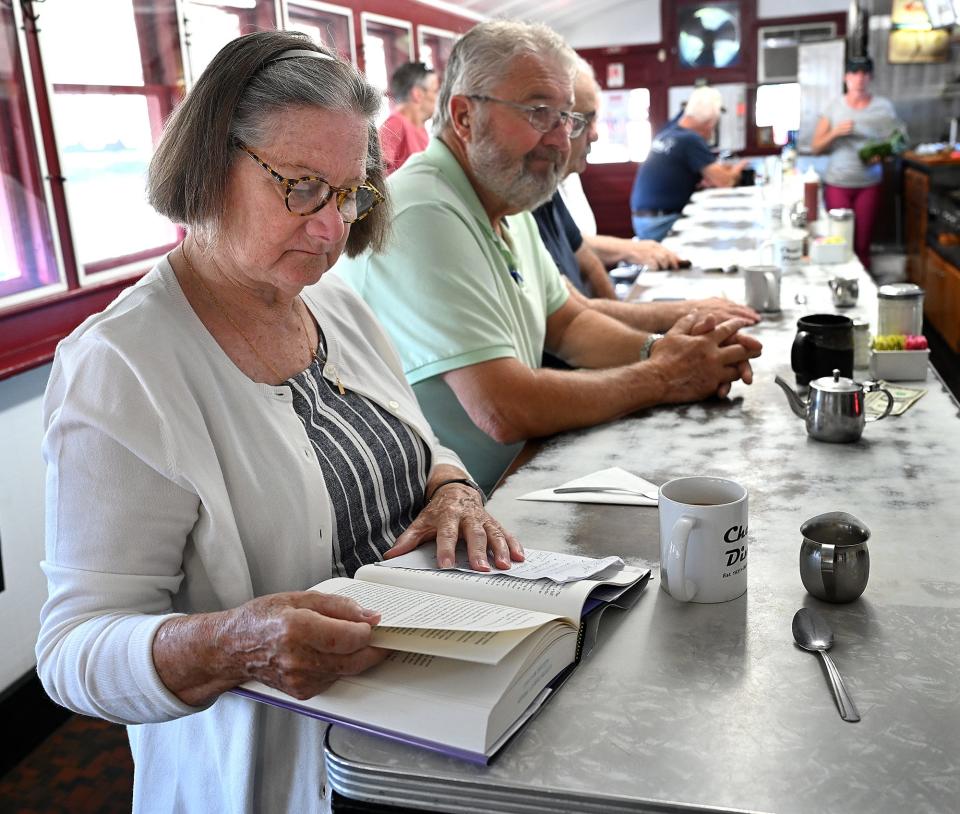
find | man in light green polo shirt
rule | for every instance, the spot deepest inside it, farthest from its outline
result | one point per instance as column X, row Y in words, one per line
column 482, row 297
column 469, row 293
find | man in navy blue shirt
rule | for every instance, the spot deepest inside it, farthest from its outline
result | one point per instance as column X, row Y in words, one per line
column 563, row 240
column 584, row 268
column 680, row 158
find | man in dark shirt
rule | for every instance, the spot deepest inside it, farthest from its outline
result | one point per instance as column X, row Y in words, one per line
column 563, row 240
column 680, row 158
column 583, row 268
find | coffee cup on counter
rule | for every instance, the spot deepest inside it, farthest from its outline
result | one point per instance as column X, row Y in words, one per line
column 762, row 288
column 824, row 343
column 785, row 248
column 703, row 539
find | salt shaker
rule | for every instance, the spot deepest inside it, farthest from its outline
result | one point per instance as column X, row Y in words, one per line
column 861, row 344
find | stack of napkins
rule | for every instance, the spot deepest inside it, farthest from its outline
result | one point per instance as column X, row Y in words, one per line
column 605, row 477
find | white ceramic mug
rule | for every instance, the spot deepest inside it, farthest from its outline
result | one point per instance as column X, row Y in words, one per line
column 762, row 287
column 703, row 539
column 786, row 248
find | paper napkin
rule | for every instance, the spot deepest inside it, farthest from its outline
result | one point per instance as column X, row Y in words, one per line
column 605, row 477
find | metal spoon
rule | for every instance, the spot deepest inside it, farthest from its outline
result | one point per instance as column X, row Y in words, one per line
column 620, row 490
column 811, row 632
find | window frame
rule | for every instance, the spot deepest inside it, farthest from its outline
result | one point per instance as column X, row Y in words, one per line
column 183, row 30
column 396, row 22
column 34, row 321
column 26, row 299
column 127, row 265
column 430, row 30
column 331, row 8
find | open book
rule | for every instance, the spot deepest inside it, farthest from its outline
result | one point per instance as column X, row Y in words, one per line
column 474, row 656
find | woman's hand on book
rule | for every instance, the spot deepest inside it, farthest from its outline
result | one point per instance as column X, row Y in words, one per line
column 456, row 512
column 297, row 642
column 302, row 642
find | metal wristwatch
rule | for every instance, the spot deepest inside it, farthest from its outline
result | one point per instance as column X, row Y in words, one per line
column 465, row 481
column 647, row 346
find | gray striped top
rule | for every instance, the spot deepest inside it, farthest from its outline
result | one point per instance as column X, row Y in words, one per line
column 374, row 466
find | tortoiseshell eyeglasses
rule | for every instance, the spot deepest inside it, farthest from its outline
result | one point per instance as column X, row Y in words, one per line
column 309, row 194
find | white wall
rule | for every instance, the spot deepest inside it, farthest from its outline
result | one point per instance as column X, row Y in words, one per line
column 790, row 8
column 21, row 521
column 635, row 23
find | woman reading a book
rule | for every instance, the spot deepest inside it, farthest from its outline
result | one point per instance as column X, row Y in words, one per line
column 233, row 429
column 847, row 125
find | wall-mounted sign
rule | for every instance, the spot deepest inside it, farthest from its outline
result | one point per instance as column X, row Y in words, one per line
column 615, row 75
column 909, row 13
column 907, row 45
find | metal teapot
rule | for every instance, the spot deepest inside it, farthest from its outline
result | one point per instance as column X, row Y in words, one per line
column 835, row 410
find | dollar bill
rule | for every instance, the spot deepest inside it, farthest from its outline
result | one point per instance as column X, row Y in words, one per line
column 903, row 398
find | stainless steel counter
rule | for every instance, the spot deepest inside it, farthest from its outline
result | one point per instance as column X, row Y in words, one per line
column 712, row 707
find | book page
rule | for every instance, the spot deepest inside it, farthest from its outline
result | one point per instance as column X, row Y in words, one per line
column 536, row 595
column 418, row 622
column 550, row 565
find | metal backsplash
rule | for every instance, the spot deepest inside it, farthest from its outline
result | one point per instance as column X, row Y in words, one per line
column 917, row 91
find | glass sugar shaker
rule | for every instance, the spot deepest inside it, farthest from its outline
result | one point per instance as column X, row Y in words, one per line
column 900, row 309
column 840, row 223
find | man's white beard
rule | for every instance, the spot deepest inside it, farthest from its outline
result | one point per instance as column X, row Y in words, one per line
column 510, row 180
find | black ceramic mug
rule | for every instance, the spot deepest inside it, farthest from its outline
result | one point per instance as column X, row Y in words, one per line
column 824, row 343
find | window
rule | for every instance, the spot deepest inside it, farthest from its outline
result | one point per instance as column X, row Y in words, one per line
column 28, row 258
column 387, row 44
column 81, row 110
column 435, row 46
column 779, row 49
column 623, row 127
column 324, row 23
column 211, row 24
column 778, row 107
column 85, row 89
column 108, row 103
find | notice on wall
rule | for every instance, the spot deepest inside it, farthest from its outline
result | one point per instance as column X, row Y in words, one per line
column 615, row 75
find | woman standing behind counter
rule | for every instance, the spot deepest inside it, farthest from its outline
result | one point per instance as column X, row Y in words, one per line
column 219, row 439
column 849, row 123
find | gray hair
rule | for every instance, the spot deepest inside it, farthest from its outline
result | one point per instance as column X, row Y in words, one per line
column 584, row 67
column 704, row 104
column 234, row 102
column 481, row 58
